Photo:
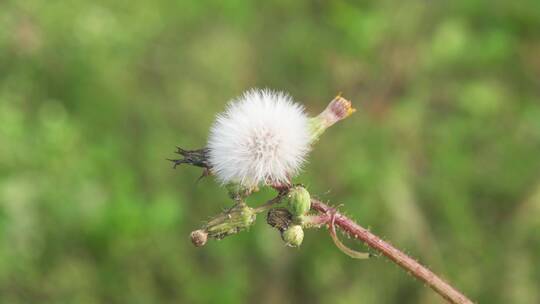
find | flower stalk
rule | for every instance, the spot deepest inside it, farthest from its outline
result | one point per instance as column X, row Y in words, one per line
column 409, row 264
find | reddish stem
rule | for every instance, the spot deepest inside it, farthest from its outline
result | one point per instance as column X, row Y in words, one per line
column 444, row 289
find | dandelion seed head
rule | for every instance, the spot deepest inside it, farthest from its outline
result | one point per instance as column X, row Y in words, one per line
column 262, row 137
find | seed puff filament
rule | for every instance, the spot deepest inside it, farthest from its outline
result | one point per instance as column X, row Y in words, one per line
column 263, row 137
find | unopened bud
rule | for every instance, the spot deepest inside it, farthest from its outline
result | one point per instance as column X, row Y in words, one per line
column 199, row 237
column 293, row 236
column 298, row 201
column 232, row 221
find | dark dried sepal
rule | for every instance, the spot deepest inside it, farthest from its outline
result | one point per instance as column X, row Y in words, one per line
column 279, row 218
column 198, row 158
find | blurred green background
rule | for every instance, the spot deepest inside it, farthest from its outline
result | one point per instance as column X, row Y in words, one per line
column 442, row 157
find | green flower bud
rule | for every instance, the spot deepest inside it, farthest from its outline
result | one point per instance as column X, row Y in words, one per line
column 293, row 236
column 298, row 201
column 232, row 221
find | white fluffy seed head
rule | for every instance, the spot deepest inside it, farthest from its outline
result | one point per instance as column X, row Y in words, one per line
column 263, row 137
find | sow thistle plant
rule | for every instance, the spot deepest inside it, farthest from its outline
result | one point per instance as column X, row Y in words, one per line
column 263, row 139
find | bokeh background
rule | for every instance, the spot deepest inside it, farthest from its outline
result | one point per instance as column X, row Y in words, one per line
column 442, row 157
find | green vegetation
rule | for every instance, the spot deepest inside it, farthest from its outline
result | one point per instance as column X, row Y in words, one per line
column 442, row 157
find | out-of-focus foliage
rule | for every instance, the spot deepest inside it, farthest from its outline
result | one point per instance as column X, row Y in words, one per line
column 442, row 156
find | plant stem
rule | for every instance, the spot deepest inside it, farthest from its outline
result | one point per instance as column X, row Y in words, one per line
column 270, row 203
column 444, row 289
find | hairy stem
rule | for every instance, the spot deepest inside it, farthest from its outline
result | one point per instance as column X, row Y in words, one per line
column 410, row 265
column 270, row 203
